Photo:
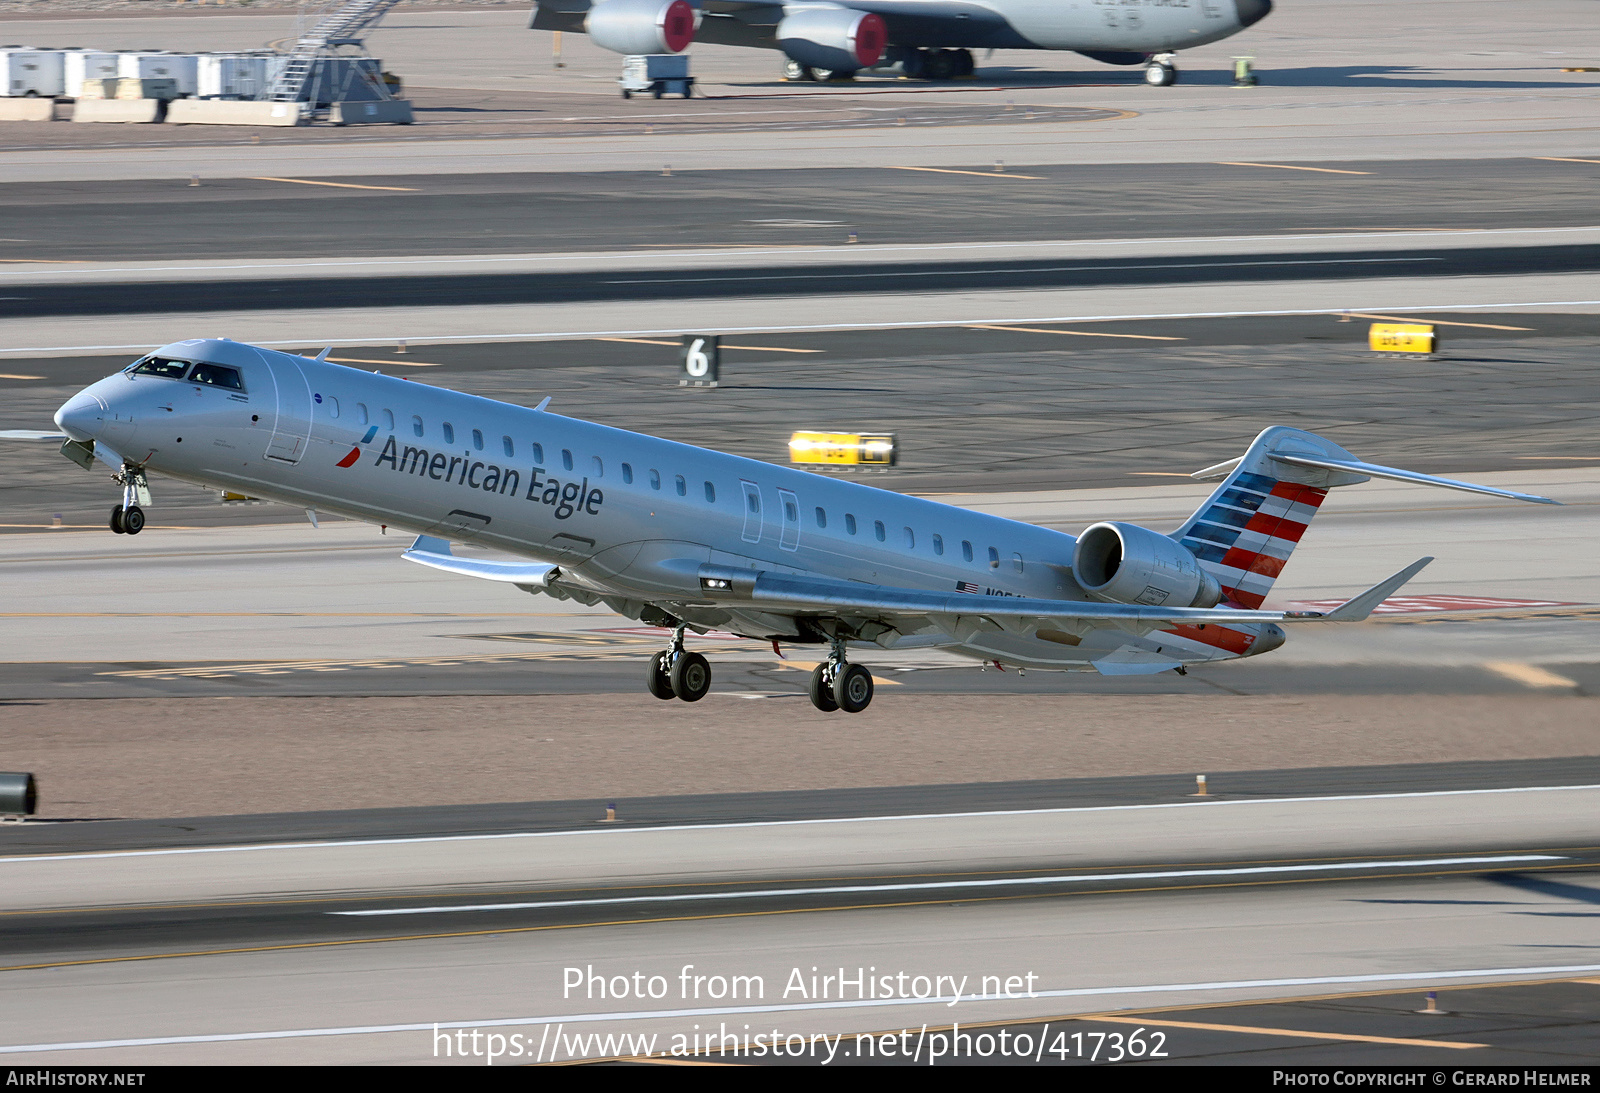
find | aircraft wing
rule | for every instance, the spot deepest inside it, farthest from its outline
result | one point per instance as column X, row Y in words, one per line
column 31, row 434
column 962, row 614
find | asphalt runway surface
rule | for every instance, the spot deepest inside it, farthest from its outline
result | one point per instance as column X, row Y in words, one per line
column 154, row 220
column 23, row 301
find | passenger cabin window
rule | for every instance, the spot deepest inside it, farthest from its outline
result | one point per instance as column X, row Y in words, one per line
column 333, row 403
column 850, row 523
column 1016, row 562
column 388, row 420
column 822, row 517
column 219, row 375
column 449, row 433
column 566, row 458
column 416, row 424
column 477, row 439
column 791, row 512
column 711, row 493
column 994, row 558
column 683, row 487
column 655, row 479
column 878, row 530
column 509, row 447
column 161, row 366
column 966, row 551
column 361, row 412
column 627, row 473
column 538, row 454
column 599, row 468
column 938, row 544
column 911, row 539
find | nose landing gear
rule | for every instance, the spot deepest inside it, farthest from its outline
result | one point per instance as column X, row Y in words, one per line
column 838, row 685
column 1162, row 71
column 128, row 518
column 677, row 673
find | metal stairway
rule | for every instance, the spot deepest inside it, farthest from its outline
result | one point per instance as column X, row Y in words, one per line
column 338, row 24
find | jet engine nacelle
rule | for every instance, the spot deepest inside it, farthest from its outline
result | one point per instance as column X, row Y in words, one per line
column 1125, row 563
column 836, row 39
column 641, row 26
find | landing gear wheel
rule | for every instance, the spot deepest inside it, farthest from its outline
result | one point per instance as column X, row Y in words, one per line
column 823, row 75
column 116, row 521
column 659, row 681
column 941, row 64
column 822, row 689
column 691, row 677
column 627, row 94
column 1160, row 75
column 852, row 688
column 133, row 520
column 795, row 72
column 965, row 65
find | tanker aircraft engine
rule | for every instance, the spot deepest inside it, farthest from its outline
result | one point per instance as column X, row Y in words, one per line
column 923, row 39
column 690, row 539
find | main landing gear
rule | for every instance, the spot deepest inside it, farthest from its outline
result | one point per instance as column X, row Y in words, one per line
column 938, row 64
column 128, row 518
column 1162, row 71
column 677, row 673
column 837, row 685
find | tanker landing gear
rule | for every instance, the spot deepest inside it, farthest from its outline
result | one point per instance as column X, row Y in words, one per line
column 837, row 685
column 939, row 64
column 128, row 518
column 677, row 673
column 795, row 72
column 1162, row 71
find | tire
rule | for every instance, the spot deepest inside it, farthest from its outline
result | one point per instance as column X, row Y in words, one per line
column 823, row 75
column 940, row 65
column 659, row 680
column 965, row 65
column 852, row 688
column 795, row 72
column 821, row 690
column 1160, row 75
column 691, row 677
column 116, row 521
column 133, row 520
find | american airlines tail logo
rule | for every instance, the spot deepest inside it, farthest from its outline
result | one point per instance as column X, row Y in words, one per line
column 355, row 453
column 565, row 498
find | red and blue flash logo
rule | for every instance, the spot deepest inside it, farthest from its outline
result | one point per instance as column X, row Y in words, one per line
column 355, row 453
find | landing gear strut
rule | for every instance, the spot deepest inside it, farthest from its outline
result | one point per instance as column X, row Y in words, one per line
column 128, row 518
column 838, row 685
column 677, row 673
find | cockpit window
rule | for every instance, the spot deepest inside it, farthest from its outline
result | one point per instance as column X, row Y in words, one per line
column 161, row 366
column 218, row 376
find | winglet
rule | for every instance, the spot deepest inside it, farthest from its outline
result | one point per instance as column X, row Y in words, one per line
column 1359, row 607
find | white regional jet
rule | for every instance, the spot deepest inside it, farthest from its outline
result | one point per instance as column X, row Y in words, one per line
column 690, row 539
column 927, row 39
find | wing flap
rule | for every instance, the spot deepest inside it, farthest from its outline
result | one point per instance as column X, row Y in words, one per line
column 435, row 553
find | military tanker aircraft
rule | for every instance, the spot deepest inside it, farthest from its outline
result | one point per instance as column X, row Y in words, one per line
column 690, row 539
column 923, row 39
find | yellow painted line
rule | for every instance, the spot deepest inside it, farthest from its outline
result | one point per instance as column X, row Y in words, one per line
column 770, row 349
column 980, row 174
column 1298, row 1033
column 14, row 376
column 1291, row 167
column 810, row 665
column 639, row 341
column 1159, row 474
column 400, row 363
column 1430, row 322
column 1081, row 333
column 341, row 185
column 1564, row 159
column 1529, row 674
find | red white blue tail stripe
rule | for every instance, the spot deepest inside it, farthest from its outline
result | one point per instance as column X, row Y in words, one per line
column 1246, row 532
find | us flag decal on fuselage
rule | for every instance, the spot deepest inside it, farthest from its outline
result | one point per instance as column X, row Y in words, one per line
column 1247, row 532
column 969, row 588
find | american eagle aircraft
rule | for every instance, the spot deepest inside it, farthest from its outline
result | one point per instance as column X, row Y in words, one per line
column 693, row 540
column 925, row 39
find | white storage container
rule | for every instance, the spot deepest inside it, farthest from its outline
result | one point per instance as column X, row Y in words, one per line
column 236, row 75
column 183, row 68
column 87, row 64
column 32, row 72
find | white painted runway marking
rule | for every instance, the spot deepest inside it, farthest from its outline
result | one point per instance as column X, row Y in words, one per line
column 413, row 840
column 1547, row 972
column 854, row 889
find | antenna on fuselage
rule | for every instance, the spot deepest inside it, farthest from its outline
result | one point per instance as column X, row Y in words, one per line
column 545, row 403
column 324, row 354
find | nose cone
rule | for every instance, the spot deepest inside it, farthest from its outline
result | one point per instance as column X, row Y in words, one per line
column 1252, row 12
column 81, row 417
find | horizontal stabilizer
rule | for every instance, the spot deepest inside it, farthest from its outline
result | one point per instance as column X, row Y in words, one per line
column 435, row 552
column 1357, row 608
column 1395, row 474
column 31, row 434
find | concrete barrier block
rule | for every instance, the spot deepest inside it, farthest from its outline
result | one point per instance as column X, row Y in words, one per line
column 225, row 112
column 27, row 109
column 394, row 112
column 123, row 110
